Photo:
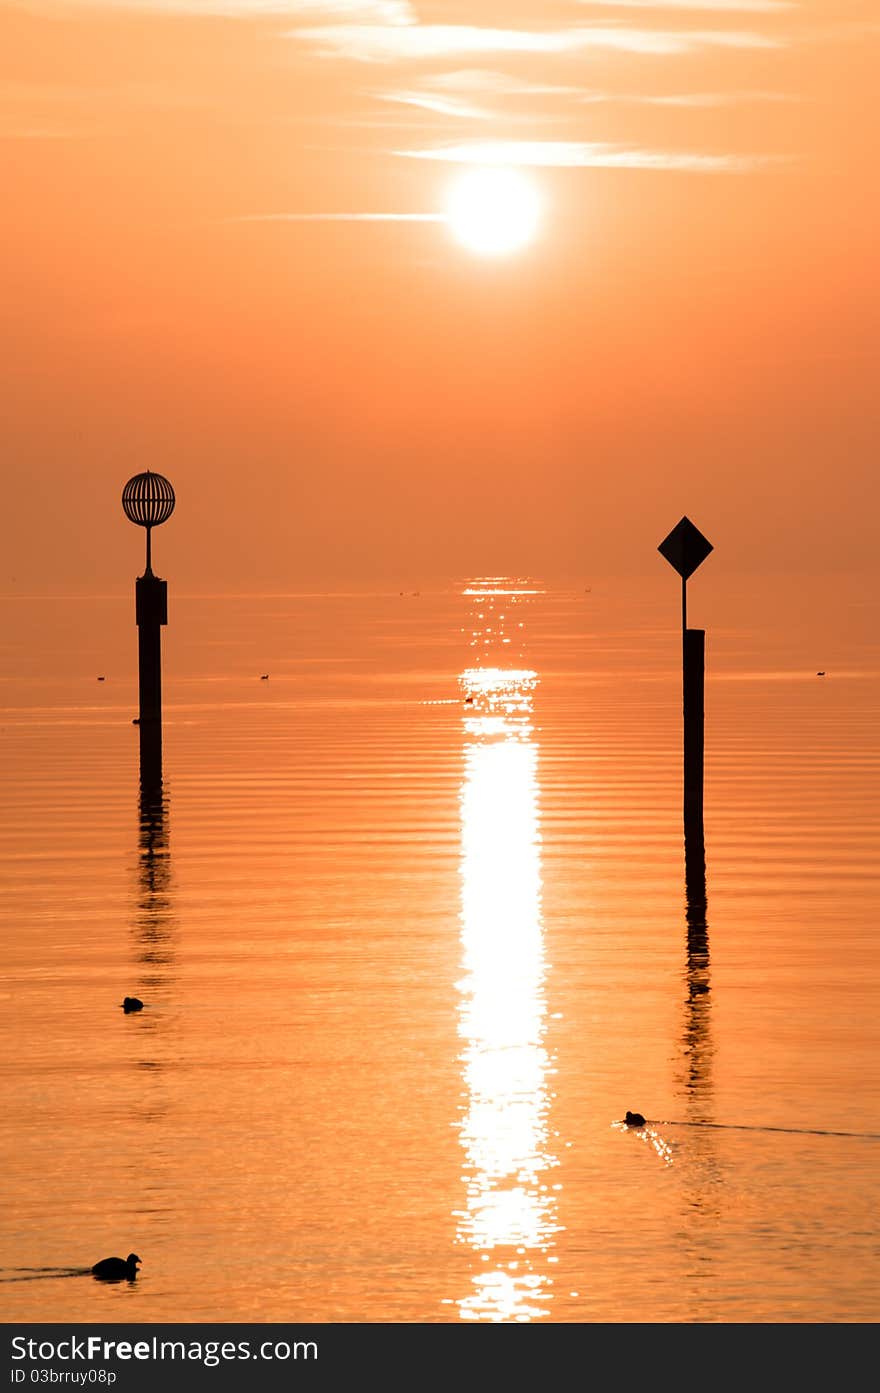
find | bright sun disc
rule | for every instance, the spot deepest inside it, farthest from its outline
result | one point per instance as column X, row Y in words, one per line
column 493, row 211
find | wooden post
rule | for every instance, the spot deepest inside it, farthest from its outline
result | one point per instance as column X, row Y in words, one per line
column 151, row 610
column 692, row 688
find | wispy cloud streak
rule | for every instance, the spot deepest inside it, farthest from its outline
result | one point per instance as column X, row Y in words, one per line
column 707, row 6
column 683, row 99
column 339, row 217
column 396, row 43
column 378, row 11
column 487, row 80
column 575, row 154
column 437, row 102
column 41, row 133
column 447, row 94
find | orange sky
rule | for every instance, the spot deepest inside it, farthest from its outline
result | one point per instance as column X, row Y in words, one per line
column 694, row 329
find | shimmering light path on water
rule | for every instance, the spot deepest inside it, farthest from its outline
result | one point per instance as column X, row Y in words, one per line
column 407, row 957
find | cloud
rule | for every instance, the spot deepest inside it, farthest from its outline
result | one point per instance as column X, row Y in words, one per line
column 339, row 217
column 380, row 43
column 448, row 94
column 709, row 6
column 41, row 133
column 382, row 11
column 576, row 154
column 684, row 99
column 390, row 12
column 486, row 81
column 438, row 102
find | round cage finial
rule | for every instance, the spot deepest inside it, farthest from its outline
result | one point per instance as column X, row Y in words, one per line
column 148, row 500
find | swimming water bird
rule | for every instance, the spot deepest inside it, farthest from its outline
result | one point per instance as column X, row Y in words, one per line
column 820, row 674
column 264, row 677
column 116, row 1269
column 634, row 1119
column 132, row 1003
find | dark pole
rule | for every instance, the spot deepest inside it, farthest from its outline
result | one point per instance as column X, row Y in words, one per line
column 151, row 609
column 693, row 670
column 148, row 499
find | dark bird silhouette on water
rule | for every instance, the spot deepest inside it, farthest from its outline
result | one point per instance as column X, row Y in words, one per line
column 264, row 677
column 132, row 1003
column 634, row 1119
column 820, row 674
column 116, row 1269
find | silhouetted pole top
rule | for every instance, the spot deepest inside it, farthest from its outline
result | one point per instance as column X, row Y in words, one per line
column 148, row 500
column 685, row 549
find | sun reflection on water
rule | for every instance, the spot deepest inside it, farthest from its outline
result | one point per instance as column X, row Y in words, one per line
column 509, row 1218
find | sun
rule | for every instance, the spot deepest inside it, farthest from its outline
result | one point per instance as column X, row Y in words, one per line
column 493, row 211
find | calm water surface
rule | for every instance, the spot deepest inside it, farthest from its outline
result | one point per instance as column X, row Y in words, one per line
column 413, row 929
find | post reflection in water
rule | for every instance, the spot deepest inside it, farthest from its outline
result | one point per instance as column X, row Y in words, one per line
column 154, row 914
column 703, row 1193
column 153, row 922
column 153, row 926
column 509, row 1219
column 697, row 1040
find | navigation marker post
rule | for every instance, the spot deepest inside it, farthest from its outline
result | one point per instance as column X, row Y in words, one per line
column 685, row 549
column 148, row 500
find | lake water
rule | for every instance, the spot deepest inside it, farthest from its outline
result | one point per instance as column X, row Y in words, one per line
column 411, row 925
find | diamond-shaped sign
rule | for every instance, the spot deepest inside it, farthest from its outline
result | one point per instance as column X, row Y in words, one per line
column 685, row 548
